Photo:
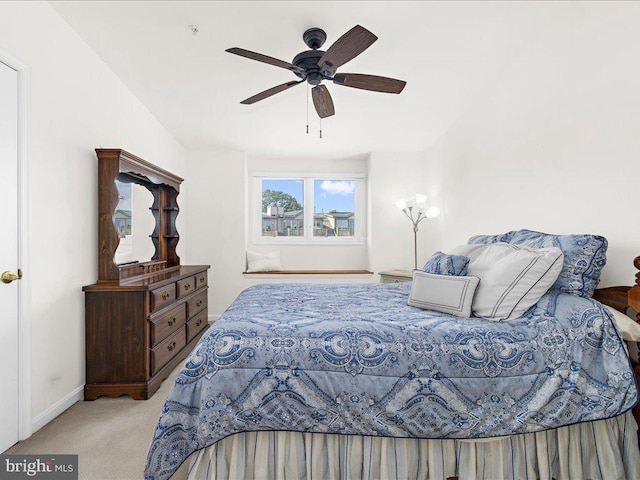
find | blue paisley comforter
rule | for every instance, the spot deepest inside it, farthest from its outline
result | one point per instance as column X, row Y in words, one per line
column 356, row 359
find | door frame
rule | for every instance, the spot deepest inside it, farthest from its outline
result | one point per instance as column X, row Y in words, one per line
column 25, row 424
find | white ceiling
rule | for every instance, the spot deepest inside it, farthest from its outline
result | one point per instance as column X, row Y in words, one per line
column 446, row 51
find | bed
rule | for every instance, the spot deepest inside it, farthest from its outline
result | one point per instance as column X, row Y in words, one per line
column 349, row 381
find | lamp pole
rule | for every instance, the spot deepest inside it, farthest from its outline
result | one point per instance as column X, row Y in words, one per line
column 415, row 247
column 408, row 211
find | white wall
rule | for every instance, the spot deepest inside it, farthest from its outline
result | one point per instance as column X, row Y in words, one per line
column 75, row 104
column 551, row 142
column 217, row 228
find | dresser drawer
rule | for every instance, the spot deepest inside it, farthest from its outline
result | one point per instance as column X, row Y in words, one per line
column 165, row 324
column 201, row 279
column 197, row 303
column 163, row 296
column 196, row 324
column 168, row 349
column 186, row 286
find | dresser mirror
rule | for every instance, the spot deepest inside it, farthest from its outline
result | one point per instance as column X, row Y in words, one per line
column 137, row 211
column 134, row 222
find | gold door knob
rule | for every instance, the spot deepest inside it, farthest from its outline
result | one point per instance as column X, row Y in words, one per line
column 8, row 277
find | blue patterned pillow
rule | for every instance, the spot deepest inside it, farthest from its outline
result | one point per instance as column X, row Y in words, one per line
column 584, row 258
column 443, row 264
column 486, row 239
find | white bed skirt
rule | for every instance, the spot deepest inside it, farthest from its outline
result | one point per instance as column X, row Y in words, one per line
column 602, row 450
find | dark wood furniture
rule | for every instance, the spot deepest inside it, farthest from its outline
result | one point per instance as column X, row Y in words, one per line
column 633, row 299
column 622, row 299
column 142, row 318
column 633, row 294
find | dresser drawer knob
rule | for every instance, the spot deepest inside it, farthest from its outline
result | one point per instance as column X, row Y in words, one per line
column 171, row 346
column 202, row 279
column 172, row 321
column 187, row 286
column 165, row 295
column 199, row 322
column 198, row 303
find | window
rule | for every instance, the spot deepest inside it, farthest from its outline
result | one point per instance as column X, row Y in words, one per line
column 282, row 207
column 306, row 208
column 334, row 208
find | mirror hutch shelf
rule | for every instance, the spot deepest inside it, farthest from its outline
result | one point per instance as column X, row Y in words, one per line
column 142, row 317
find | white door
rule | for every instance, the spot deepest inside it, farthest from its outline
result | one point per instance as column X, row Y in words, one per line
column 8, row 256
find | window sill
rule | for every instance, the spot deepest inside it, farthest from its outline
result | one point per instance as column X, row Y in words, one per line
column 324, row 241
column 310, row 273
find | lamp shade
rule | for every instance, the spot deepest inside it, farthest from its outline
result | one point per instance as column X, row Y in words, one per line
column 401, row 204
column 421, row 199
column 432, row 212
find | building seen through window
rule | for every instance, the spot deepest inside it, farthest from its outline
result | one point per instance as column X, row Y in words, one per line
column 284, row 211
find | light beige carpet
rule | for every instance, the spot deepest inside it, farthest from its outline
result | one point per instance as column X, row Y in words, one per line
column 111, row 436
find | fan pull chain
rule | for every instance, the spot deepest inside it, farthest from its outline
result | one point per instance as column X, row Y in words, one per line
column 321, row 128
column 307, row 109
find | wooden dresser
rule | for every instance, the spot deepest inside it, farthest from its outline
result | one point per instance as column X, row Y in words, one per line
column 142, row 317
column 137, row 332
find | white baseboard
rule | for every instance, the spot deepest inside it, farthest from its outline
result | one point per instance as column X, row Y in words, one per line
column 57, row 408
column 212, row 318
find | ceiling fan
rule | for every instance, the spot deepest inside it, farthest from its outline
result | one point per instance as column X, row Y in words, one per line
column 316, row 65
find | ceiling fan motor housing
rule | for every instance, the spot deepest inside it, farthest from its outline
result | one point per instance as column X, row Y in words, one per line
column 314, row 38
column 309, row 61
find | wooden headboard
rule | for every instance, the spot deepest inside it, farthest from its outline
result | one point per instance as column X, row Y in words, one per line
column 633, row 294
column 621, row 298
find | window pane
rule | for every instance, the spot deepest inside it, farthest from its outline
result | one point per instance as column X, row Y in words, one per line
column 282, row 208
column 333, row 208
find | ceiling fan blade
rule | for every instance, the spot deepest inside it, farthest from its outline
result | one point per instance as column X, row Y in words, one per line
column 269, row 92
column 347, row 47
column 265, row 59
column 322, row 101
column 369, row 82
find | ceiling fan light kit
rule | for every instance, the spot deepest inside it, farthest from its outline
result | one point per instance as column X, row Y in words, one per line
column 315, row 65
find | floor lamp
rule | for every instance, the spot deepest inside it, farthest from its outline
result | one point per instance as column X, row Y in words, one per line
column 416, row 209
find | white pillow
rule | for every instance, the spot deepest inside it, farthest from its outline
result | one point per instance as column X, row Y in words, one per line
column 443, row 293
column 629, row 329
column 263, row 262
column 512, row 278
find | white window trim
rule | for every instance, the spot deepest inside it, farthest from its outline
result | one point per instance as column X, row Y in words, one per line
column 255, row 206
